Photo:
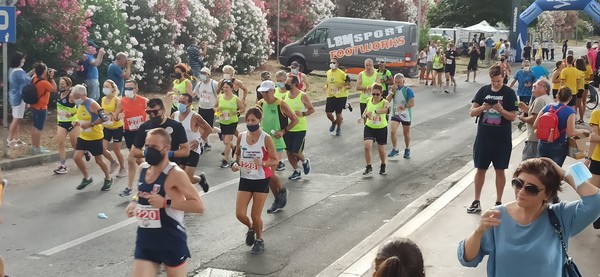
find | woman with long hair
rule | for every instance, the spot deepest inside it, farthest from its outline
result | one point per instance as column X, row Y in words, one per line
column 66, row 112
column 182, row 83
column 113, row 128
column 560, row 65
column 399, row 257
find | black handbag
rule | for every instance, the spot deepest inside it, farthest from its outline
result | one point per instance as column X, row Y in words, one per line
column 569, row 268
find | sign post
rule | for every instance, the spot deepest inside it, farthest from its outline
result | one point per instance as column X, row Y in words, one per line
column 8, row 34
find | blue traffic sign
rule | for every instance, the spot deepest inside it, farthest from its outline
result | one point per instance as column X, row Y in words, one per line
column 8, row 24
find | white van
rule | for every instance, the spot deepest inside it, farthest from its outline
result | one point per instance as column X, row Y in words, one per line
column 351, row 41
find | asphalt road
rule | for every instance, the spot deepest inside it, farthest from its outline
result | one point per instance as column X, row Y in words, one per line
column 51, row 229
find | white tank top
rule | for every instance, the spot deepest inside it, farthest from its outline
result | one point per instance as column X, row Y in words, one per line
column 187, row 125
column 249, row 170
column 207, row 94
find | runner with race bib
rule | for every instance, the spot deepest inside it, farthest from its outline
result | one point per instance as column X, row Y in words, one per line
column 133, row 114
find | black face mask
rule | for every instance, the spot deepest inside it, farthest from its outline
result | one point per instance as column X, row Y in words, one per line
column 177, row 75
column 288, row 87
column 156, row 121
column 253, row 128
column 153, row 156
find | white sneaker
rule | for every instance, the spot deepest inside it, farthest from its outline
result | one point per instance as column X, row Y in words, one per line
column 122, row 173
column 113, row 167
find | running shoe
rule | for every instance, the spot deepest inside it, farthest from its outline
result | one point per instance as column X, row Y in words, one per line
column 274, row 207
column 203, row 183
column 393, row 153
column 306, row 166
column 332, row 128
column 382, row 169
column 446, row 91
column 122, row 173
column 62, row 169
column 87, row 156
column 113, row 167
column 474, row 208
column 295, row 176
column 338, row 132
column 283, row 194
column 84, row 183
column 498, row 203
column 596, row 223
column 12, row 143
column 20, row 142
column 107, row 184
column 280, row 166
column 39, row 151
column 520, row 125
column 224, row 164
column 125, row 193
column 350, row 107
column 258, row 248
column 368, row 170
column 406, row 153
column 250, row 237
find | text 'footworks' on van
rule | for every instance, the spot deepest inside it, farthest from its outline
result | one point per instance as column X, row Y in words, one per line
column 351, row 41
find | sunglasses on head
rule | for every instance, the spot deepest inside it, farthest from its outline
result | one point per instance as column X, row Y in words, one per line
column 530, row 189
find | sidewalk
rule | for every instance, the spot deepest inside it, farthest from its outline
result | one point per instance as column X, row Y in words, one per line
column 438, row 229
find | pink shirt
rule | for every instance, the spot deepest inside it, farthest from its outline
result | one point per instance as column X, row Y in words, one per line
column 592, row 54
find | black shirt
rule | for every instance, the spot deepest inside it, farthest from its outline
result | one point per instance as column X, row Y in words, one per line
column 174, row 128
column 451, row 57
column 527, row 51
column 492, row 126
column 474, row 55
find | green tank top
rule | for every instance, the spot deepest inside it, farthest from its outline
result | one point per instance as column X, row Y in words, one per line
column 280, row 94
column 65, row 110
column 379, row 121
column 271, row 121
column 179, row 88
column 437, row 62
column 297, row 106
column 367, row 81
column 229, row 108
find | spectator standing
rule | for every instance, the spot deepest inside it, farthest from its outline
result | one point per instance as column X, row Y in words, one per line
column 560, row 65
column 536, row 46
column 592, row 53
column 17, row 80
column 564, row 48
column 472, row 66
column 552, row 46
column 117, row 74
column 570, row 77
column 526, row 55
column 195, row 55
column 423, row 65
column 545, row 50
column 90, row 68
column 482, row 48
column 399, row 257
column 45, row 85
column 489, row 44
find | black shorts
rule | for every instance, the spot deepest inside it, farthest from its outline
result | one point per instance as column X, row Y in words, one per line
column 172, row 257
column 191, row 160
column 554, row 92
column 595, row 167
column 472, row 66
column 129, row 138
column 377, row 135
column 93, row 146
column 335, row 104
column 363, row 107
column 579, row 93
column 229, row 129
column 66, row 125
column 294, row 141
column 573, row 101
column 486, row 152
column 208, row 115
column 248, row 185
column 450, row 69
column 397, row 119
column 114, row 135
column 439, row 70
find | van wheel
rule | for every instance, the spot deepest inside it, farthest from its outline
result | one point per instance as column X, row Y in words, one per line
column 303, row 68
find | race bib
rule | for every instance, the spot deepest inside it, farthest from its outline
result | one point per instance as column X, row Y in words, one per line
column 403, row 115
column 204, row 98
column 334, row 91
column 376, row 119
column 225, row 116
column 135, row 122
column 249, row 167
column 147, row 216
column 449, row 61
column 63, row 115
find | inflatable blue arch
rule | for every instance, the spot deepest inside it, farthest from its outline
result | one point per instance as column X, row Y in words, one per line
column 518, row 30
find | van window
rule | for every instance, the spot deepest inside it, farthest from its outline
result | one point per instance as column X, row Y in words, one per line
column 318, row 36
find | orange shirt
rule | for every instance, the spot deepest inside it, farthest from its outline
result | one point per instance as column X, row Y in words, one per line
column 44, row 88
column 134, row 111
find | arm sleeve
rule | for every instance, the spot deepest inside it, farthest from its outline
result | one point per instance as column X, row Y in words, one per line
column 487, row 244
column 577, row 215
column 563, row 75
column 140, row 137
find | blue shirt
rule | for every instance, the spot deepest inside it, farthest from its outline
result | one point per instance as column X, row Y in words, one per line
column 523, row 77
column 194, row 59
column 532, row 250
column 17, row 80
column 114, row 73
column 539, row 71
column 563, row 118
column 489, row 42
column 92, row 71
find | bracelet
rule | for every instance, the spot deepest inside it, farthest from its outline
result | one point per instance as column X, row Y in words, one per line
column 171, row 153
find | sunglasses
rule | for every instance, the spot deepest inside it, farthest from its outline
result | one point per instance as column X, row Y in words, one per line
column 376, row 94
column 530, row 189
column 152, row 112
column 332, row 63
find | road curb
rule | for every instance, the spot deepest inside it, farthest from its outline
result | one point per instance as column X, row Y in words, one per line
column 359, row 259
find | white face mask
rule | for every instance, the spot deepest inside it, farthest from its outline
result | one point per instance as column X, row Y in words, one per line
column 203, row 77
column 107, row 91
column 526, row 68
column 226, row 76
column 332, row 66
column 129, row 93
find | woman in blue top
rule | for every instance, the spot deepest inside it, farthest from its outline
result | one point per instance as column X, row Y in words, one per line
column 17, row 80
column 518, row 236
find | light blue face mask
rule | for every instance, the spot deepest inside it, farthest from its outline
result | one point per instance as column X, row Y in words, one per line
column 281, row 84
column 580, row 173
column 182, row 107
column 78, row 102
column 203, row 77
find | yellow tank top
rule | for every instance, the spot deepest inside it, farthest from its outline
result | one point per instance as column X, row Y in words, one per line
column 84, row 116
column 110, row 106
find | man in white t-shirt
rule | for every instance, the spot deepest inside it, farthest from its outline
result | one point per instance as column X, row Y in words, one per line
column 206, row 92
column 430, row 53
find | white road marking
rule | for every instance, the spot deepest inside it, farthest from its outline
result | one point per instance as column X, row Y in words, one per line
column 362, row 193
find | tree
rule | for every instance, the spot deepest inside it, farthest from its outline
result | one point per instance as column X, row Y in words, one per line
column 252, row 34
column 225, row 43
column 450, row 13
column 400, row 10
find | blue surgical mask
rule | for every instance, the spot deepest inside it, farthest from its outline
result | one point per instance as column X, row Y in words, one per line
column 294, row 71
column 203, row 77
column 280, row 84
column 78, row 102
column 182, row 107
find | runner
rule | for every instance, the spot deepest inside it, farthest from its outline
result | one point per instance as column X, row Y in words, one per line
column 265, row 75
column 364, row 81
column 570, row 77
column 90, row 117
column 227, row 108
column 255, row 164
column 385, row 76
column 295, row 71
column 113, row 128
column 164, row 194
column 430, row 53
column 278, row 119
column 193, row 124
column 376, row 128
column 66, row 112
column 229, row 76
column 294, row 139
column 337, row 87
column 206, row 91
column 182, row 83
column 133, row 114
column 450, row 68
column 402, row 100
column 281, row 91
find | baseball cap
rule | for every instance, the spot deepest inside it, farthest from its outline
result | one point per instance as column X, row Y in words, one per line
column 205, row 70
column 266, row 86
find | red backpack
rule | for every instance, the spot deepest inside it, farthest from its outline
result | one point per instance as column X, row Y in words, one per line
column 547, row 128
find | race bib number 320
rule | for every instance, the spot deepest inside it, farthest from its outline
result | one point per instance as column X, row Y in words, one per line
column 148, row 217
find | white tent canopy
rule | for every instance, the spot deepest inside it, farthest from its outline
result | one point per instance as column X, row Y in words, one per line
column 481, row 27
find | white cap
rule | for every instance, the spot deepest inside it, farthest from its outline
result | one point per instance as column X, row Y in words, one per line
column 205, row 70
column 266, row 86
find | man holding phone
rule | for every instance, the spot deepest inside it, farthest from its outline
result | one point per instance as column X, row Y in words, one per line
column 117, row 74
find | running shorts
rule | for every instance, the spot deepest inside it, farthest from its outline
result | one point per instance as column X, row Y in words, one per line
column 294, row 141
column 377, row 135
column 261, row 185
column 95, row 147
column 335, row 105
